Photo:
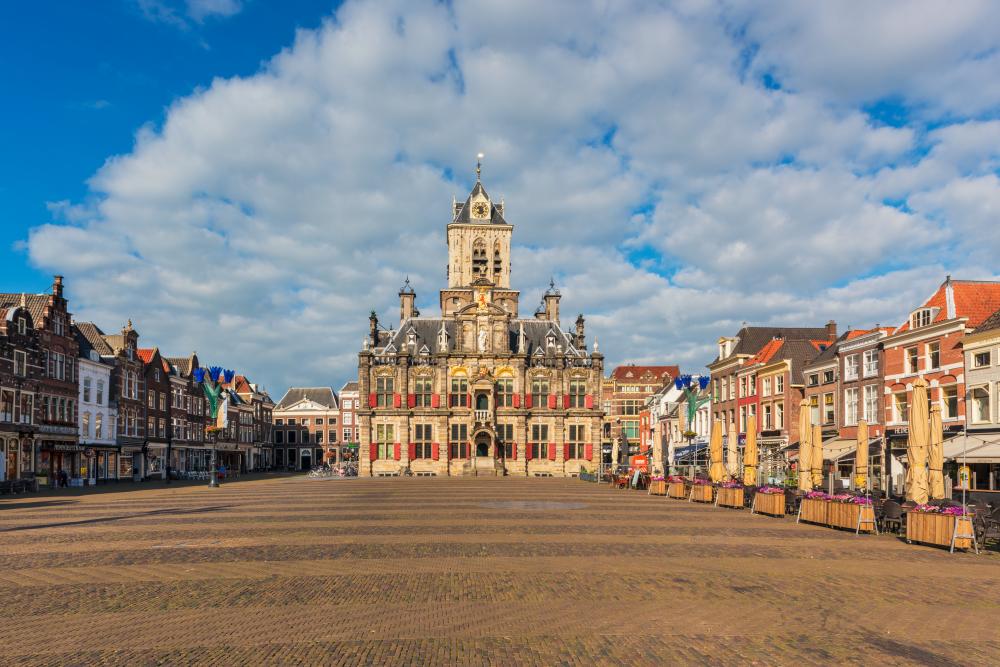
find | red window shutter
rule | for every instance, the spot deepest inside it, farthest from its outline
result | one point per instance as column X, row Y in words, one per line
column 527, row 401
column 588, row 452
column 397, row 400
column 528, row 452
column 371, row 400
column 373, row 451
column 411, row 451
column 411, row 400
column 588, row 402
column 468, row 400
column 517, row 400
column 565, row 401
column 565, row 452
column 552, row 401
column 435, row 400
column 395, row 451
column 513, row 451
column 435, row 451
column 552, row 451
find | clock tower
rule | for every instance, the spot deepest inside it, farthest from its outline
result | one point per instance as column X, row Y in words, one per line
column 478, row 241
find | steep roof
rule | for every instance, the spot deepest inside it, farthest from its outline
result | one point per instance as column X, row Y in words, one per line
column 184, row 365
column 634, row 373
column 462, row 213
column 973, row 299
column 752, row 339
column 36, row 303
column 146, row 354
column 425, row 335
column 90, row 337
column 990, row 323
column 765, row 353
column 349, row 386
column 325, row 396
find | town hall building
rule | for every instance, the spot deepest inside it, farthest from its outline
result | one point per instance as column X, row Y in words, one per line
column 479, row 390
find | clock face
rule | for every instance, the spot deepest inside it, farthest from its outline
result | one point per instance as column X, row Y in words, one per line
column 480, row 209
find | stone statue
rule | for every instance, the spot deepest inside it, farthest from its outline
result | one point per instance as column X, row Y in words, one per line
column 483, row 336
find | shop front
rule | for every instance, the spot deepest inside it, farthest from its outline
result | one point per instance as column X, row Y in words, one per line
column 16, row 456
column 61, row 462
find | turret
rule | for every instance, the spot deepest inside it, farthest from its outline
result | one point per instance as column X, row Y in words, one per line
column 580, row 342
column 407, row 297
column 551, row 300
column 373, row 328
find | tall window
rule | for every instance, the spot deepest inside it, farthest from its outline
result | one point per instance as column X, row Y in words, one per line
column 871, row 363
column 577, row 436
column 458, row 445
column 851, row 406
column 829, row 414
column 422, row 438
column 765, row 388
column 900, row 407
column 98, row 425
column 505, row 392
column 539, row 392
column 850, row 367
column 459, row 393
column 505, row 435
column 779, row 415
column 779, row 384
column 577, row 393
column 422, row 389
column 871, row 403
column 933, row 355
column 85, row 427
column 980, row 405
column 86, row 390
column 539, row 441
column 99, row 398
column 912, row 360
column 383, row 391
column 383, row 439
column 768, row 419
column 20, row 363
column 949, row 401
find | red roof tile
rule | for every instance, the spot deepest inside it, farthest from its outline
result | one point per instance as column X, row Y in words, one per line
column 622, row 373
column 145, row 353
column 974, row 299
column 766, row 352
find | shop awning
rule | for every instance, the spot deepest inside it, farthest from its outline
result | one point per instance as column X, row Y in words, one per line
column 838, row 448
column 973, row 449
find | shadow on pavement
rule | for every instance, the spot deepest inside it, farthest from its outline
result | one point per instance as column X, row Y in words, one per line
column 39, row 503
column 106, row 519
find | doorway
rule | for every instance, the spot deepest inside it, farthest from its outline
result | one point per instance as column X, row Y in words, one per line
column 306, row 459
column 483, row 445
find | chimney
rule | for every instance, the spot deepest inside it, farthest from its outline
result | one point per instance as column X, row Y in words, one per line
column 831, row 330
column 407, row 297
column 57, row 286
column 373, row 328
column 551, row 300
column 949, row 298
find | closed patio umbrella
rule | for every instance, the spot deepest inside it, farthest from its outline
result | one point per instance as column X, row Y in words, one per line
column 861, row 457
column 750, row 453
column 935, row 454
column 916, row 445
column 817, row 457
column 716, row 471
column 732, row 454
column 614, row 454
column 805, row 448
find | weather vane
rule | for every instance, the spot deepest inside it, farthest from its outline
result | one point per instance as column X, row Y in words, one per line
column 479, row 164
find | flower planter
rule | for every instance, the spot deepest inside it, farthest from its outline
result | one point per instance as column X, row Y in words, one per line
column 731, row 497
column 931, row 528
column 658, row 488
column 847, row 515
column 677, row 490
column 813, row 510
column 701, row 493
column 770, row 503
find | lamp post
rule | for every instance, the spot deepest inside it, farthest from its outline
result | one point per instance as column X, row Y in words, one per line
column 213, row 479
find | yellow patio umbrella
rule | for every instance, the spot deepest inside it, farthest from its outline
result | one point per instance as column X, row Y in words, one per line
column 750, row 453
column 916, row 445
column 861, row 457
column 805, row 448
column 817, row 457
column 716, row 471
column 935, row 454
column 732, row 453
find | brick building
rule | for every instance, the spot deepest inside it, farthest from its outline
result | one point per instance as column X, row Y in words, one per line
column 981, row 450
column 156, row 375
column 624, row 395
column 21, row 362
column 306, row 427
column 350, row 435
column 478, row 390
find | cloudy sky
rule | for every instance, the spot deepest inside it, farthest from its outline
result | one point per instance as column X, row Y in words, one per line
column 250, row 184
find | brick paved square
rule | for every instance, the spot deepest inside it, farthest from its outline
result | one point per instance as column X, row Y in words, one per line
column 468, row 571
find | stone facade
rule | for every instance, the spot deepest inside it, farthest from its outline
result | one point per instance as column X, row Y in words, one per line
column 478, row 390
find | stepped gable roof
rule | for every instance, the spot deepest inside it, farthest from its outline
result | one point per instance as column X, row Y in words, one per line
column 90, row 337
column 975, row 300
column 462, row 215
column 350, row 386
column 636, row 373
column 990, row 323
column 325, row 396
column 36, row 304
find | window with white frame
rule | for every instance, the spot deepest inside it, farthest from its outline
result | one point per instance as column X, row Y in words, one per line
column 851, row 367
column 871, row 404
column 779, row 415
column 933, row 355
column 900, row 407
column 921, row 318
column 779, row 384
column 767, row 414
column 20, row 363
column 851, row 406
column 829, row 413
column 981, row 359
column 765, row 387
column 912, row 359
column 871, row 363
column 980, row 404
column 949, row 401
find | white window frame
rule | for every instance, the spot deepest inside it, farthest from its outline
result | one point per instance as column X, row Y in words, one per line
column 989, row 404
column 851, row 367
column 870, row 363
column 851, row 406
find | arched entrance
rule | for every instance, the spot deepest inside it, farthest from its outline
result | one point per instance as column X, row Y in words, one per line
column 483, row 442
column 306, row 459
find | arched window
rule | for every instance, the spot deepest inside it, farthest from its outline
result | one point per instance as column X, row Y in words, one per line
column 497, row 262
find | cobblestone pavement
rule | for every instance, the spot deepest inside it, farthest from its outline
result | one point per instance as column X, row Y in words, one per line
column 497, row 571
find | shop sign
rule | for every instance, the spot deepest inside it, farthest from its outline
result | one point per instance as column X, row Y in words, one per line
column 65, row 447
column 639, row 463
column 89, row 452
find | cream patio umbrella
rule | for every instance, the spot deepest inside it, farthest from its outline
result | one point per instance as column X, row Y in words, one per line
column 732, row 453
column 916, row 445
column 817, row 457
column 614, row 454
column 805, row 448
column 750, row 453
column 935, row 454
column 716, row 471
column 861, row 457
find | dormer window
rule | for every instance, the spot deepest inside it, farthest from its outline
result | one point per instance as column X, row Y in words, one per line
column 921, row 318
column 22, row 325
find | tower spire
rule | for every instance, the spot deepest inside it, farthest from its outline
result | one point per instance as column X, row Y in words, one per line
column 479, row 165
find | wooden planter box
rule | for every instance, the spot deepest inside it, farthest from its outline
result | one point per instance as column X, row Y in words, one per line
column 658, row 488
column 770, row 503
column 677, row 490
column 930, row 528
column 847, row 515
column 731, row 497
column 702, row 493
column 814, row 510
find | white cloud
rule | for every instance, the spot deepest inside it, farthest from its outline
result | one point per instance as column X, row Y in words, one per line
column 644, row 165
column 180, row 15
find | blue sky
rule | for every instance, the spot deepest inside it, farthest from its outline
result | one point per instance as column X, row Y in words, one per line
column 248, row 179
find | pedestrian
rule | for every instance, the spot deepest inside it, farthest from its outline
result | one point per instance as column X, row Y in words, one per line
column 63, row 479
column 222, row 471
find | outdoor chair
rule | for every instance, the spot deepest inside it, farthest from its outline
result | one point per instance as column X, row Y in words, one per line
column 792, row 501
column 987, row 526
column 892, row 517
column 748, row 493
